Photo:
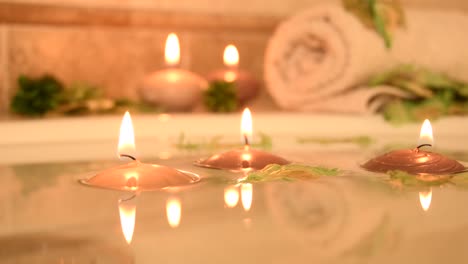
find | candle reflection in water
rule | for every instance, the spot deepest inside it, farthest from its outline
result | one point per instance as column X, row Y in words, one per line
column 425, row 199
column 173, row 211
column 246, row 195
column 127, row 212
column 231, row 196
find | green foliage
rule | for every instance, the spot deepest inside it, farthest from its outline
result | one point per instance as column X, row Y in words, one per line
column 407, row 180
column 221, row 96
column 289, row 172
column 362, row 141
column 216, row 143
column 434, row 94
column 380, row 15
column 36, row 96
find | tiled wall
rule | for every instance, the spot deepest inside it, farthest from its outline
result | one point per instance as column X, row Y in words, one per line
column 115, row 48
column 116, row 56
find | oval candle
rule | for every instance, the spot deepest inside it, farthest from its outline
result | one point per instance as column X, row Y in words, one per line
column 173, row 88
column 246, row 86
column 416, row 161
column 244, row 159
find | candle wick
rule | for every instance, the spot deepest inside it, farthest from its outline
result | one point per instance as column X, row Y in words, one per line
column 423, row 145
column 128, row 198
column 127, row 156
column 246, row 140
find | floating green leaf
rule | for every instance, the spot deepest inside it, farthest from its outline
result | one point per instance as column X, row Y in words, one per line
column 289, row 172
column 216, row 143
column 363, row 141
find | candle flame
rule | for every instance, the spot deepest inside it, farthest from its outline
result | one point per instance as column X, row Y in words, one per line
column 246, row 126
column 247, row 196
column 425, row 199
column 127, row 137
column 231, row 56
column 231, row 196
column 425, row 136
column 173, row 211
column 172, row 50
column 127, row 212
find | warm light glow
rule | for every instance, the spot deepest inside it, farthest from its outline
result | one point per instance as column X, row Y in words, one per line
column 425, row 136
column 231, row 56
column 173, row 211
column 126, row 137
column 231, row 196
column 230, row 76
column 246, row 125
column 425, row 199
column 246, row 195
column 127, row 211
column 172, row 50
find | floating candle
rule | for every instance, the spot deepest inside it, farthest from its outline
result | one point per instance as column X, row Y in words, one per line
column 246, row 86
column 416, row 161
column 245, row 158
column 173, row 88
column 138, row 176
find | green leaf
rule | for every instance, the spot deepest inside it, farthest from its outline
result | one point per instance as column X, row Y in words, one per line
column 289, row 172
column 35, row 97
column 363, row 141
column 221, row 96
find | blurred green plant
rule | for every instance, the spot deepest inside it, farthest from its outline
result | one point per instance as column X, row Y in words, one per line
column 381, row 15
column 433, row 94
column 221, row 96
column 47, row 95
column 35, row 97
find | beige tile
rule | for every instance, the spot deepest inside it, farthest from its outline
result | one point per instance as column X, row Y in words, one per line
column 114, row 59
column 4, row 84
column 207, row 50
column 118, row 59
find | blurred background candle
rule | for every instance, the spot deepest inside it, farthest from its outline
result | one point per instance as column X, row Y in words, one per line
column 173, row 89
column 246, row 85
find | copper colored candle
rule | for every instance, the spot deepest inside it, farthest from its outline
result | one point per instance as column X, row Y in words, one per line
column 246, row 85
column 417, row 160
column 245, row 158
column 138, row 176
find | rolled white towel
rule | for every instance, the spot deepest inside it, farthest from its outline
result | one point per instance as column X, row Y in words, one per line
column 325, row 52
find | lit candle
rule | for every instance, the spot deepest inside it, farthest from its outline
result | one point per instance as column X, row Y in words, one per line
column 417, row 161
column 173, row 88
column 135, row 175
column 246, row 158
column 246, row 86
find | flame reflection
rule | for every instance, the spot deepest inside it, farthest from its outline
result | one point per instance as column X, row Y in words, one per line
column 425, row 199
column 127, row 212
column 231, row 196
column 246, row 195
column 173, row 211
